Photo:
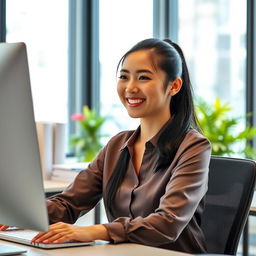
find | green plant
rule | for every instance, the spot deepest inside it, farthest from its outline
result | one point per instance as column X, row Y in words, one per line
column 87, row 142
column 222, row 130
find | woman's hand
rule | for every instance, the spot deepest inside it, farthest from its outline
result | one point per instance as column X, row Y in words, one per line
column 3, row 227
column 61, row 232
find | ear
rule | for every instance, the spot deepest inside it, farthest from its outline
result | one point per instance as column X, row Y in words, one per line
column 175, row 86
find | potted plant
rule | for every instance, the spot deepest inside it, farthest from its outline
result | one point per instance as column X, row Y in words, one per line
column 222, row 130
column 87, row 142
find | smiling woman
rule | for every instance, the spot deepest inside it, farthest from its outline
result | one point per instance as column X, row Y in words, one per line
column 153, row 179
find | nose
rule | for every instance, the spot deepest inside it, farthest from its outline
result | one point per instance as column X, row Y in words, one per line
column 131, row 87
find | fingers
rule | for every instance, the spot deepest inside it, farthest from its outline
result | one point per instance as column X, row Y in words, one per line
column 58, row 233
column 3, row 227
column 49, row 237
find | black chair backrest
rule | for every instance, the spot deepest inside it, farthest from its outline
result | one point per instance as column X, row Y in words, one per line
column 228, row 200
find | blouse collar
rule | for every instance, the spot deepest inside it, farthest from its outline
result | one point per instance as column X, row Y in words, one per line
column 153, row 141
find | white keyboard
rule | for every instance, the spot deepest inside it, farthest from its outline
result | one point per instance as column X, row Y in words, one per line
column 25, row 237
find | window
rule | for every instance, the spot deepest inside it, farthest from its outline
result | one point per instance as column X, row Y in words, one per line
column 122, row 24
column 43, row 26
column 213, row 37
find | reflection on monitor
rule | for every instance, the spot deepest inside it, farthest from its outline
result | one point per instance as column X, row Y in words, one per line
column 21, row 187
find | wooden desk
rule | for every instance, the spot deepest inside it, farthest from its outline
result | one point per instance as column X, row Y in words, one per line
column 99, row 250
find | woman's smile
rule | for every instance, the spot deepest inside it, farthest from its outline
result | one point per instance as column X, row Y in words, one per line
column 134, row 101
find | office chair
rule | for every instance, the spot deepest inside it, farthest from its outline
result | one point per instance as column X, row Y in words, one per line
column 228, row 199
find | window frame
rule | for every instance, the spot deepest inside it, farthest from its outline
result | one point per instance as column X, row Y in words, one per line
column 83, row 58
column 165, row 19
column 251, row 64
column 2, row 20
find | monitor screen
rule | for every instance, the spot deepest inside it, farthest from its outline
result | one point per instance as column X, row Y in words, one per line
column 22, row 196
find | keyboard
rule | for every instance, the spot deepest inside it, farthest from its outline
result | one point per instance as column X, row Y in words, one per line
column 25, row 237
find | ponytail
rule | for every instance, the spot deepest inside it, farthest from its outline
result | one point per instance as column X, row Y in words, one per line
column 183, row 113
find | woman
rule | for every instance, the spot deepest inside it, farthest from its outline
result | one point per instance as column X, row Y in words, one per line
column 153, row 180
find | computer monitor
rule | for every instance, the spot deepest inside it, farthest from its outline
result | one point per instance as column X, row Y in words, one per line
column 22, row 200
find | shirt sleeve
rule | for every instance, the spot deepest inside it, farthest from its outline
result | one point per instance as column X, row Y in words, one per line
column 80, row 196
column 185, row 190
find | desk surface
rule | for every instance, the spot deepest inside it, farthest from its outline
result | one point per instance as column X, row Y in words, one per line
column 253, row 205
column 54, row 186
column 99, row 250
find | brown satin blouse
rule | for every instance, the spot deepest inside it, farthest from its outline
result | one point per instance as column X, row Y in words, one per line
column 161, row 209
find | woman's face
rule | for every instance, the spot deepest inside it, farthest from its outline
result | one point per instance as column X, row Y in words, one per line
column 141, row 87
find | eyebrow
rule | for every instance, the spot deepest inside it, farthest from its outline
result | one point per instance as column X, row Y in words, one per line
column 137, row 71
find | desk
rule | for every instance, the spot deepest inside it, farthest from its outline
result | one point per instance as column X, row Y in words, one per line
column 52, row 187
column 246, row 232
column 99, row 250
column 252, row 212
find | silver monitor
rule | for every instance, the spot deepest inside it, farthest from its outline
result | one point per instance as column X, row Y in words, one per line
column 22, row 200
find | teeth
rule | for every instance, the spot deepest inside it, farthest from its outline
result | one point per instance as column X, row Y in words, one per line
column 135, row 101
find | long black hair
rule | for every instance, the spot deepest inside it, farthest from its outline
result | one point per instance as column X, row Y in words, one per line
column 167, row 56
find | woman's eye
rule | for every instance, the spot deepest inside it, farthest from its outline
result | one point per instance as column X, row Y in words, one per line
column 122, row 77
column 144, row 78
